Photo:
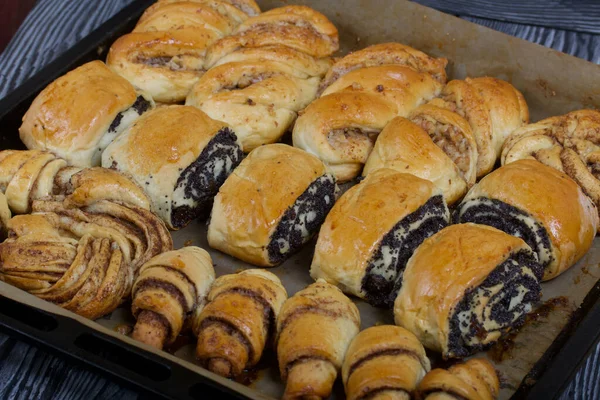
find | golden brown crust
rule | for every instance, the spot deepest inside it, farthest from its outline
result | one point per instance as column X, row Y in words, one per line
column 247, row 6
column 452, row 134
column 75, row 133
column 406, row 147
column 170, row 287
column 309, row 363
column 254, row 198
column 358, row 222
column 384, row 357
column 5, row 216
column 552, row 199
column 238, row 321
column 442, row 269
column 387, row 54
column 297, row 27
column 340, row 129
column 400, row 85
column 475, row 379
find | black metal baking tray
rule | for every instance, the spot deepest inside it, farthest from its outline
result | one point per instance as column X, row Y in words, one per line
column 152, row 374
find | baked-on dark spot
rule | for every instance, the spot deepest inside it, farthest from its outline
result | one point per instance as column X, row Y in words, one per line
column 503, row 216
column 140, row 106
column 511, row 276
column 287, row 238
column 381, row 290
column 201, row 181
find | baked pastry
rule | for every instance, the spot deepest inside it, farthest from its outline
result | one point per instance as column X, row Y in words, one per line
column 297, row 27
column 406, row 147
column 271, row 205
column 171, row 288
column 238, row 321
column 465, row 287
column 569, row 143
column 475, row 379
column 387, row 54
column 80, row 113
column 5, row 216
column 164, row 55
column 314, row 329
column 340, row 129
column 372, row 231
column 452, row 133
column 82, row 258
column 384, row 362
column 180, row 157
column 542, row 206
column 493, row 108
column 28, row 175
column 265, row 73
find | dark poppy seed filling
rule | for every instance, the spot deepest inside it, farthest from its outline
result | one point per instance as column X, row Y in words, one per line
column 199, row 183
column 140, row 106
column 383, row 277
column 303, row 219
column 511, row 220
column 496, row 306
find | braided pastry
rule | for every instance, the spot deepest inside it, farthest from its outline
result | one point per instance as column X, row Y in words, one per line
column 239, row 319
column 314, row 329
column 538, row 204
column 4, row 216
column 384, row 362
column 264, row 74
column 106, row 104
column 171, row 288
column 492, row 107
column 569, row 143
column 475, row 379
column 406, row 147
column 465, row 287
column 164, row 55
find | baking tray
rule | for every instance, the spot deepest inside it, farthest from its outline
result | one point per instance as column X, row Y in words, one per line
column 537, row 362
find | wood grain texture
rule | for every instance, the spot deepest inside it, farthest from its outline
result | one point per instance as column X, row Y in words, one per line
column 27, row 372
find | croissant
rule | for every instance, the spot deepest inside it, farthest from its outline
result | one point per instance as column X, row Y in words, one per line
column 314, row 329
column 271, row 205
column 465, row 287
column 475, row 379
column 450, row 132
column 180, row 157
column 31, row 175
column 170, row 289
column 384, row 362
column 539, row 204
column 493, row 109
column 80, row 113
column 238, row 321
column 366, row 89
column 265, row 73
column 569, row 143
column 164, row 55
column 372, row 231
column 406, row 147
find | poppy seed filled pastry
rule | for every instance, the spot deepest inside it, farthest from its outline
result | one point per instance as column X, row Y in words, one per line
column 271, row 205
column 171, row 288
column 492, row 107
column 465, row 287
column 475, row 379
column 165, row 53
column 539, row 204
column 180, row 157
column 239, row 321
column 384, row 362
column 406, row 147
column 372, row 231
column 314, row 329
column 106, row 104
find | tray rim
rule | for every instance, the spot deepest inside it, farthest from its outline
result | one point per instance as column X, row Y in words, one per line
column 554, row 371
